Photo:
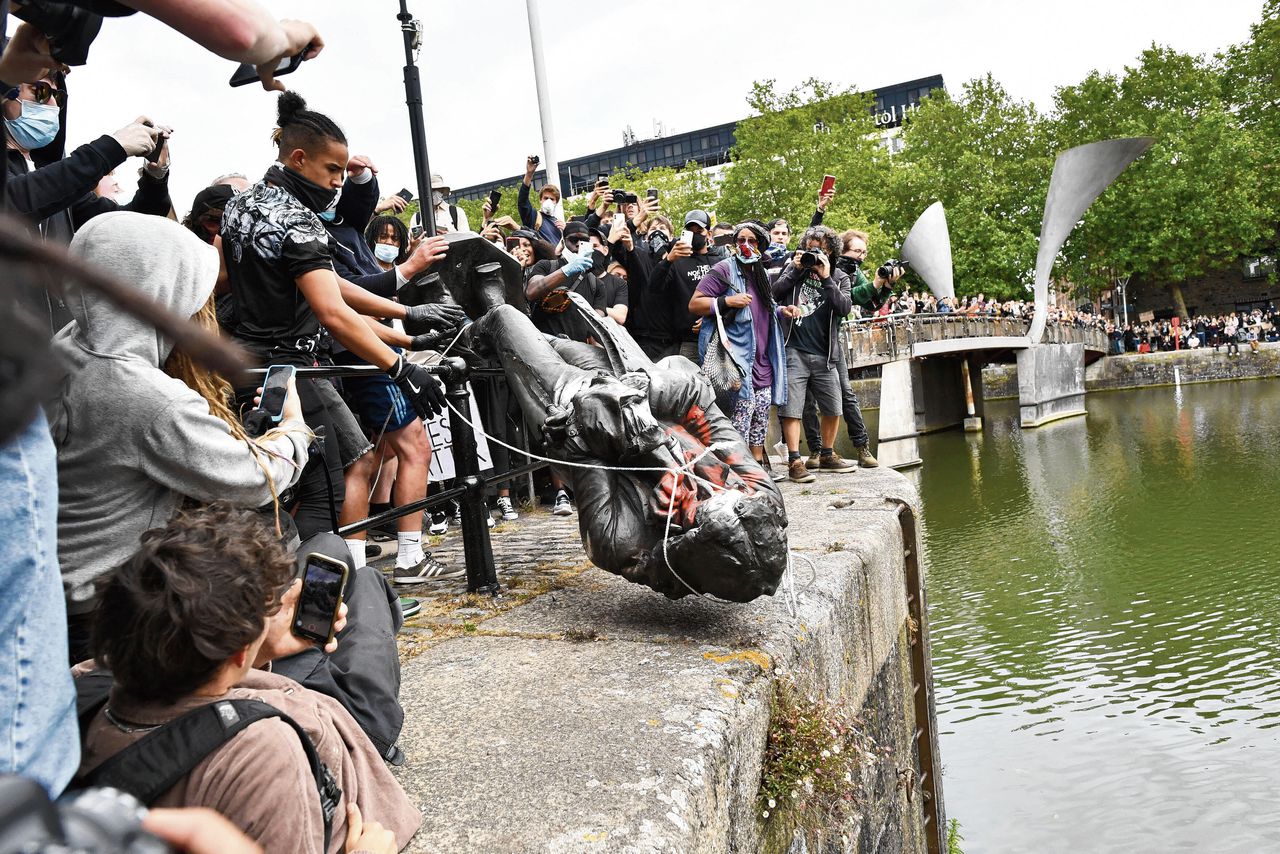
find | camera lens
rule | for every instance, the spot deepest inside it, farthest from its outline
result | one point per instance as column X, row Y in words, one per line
column 808, row 259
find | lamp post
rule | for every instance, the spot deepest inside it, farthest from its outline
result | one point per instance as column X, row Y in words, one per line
column 412, row 30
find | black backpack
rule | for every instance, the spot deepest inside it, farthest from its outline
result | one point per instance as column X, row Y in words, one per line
column 155, row 763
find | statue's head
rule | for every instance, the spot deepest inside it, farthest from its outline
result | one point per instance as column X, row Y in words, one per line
column 737, row 551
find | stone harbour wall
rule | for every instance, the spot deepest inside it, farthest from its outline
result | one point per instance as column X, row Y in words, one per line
column 590, row 714
column 1134, row 370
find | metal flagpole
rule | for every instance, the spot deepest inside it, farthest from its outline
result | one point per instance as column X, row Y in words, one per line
column 549, row 161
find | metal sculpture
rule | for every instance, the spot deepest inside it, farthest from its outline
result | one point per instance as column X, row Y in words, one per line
column 928, row 248
column 1080, row 175
column 668, row 495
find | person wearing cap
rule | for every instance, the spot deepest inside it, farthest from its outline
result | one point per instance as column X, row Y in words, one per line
column 680, row 269
column 613, row 287
column 448, row 217
column 547, row 288
column 737, row 290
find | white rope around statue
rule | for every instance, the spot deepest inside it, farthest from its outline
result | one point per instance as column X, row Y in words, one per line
column 683, row 471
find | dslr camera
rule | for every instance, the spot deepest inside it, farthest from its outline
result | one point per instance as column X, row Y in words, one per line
column 887, row 269
column 622, row 197
column 810, row 257
column 105, row 821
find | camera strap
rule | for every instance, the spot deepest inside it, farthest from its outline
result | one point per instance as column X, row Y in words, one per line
column 153, row 764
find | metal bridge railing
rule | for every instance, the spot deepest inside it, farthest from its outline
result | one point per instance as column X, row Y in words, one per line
column 875, row 340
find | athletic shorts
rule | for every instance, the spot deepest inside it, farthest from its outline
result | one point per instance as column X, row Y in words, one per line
column 376, row 400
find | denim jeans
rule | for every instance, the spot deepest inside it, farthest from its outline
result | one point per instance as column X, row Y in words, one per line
column 41, row 737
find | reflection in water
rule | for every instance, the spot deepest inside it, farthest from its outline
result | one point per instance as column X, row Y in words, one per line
column 1105, row 605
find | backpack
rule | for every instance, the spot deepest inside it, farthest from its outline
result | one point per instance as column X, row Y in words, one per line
column 154, row 763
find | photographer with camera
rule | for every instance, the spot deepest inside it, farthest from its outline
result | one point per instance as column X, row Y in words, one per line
column 871, row 297
column 810, row 282
column 548, row 220
column 186, row 622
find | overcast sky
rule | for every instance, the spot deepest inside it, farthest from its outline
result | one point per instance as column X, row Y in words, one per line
column 688, row 65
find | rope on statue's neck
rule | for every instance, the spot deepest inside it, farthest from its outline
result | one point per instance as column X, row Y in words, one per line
column 682, row 471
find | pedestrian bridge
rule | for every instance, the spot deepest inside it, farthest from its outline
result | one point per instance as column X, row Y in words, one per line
column 874, row 341
column 931, row 371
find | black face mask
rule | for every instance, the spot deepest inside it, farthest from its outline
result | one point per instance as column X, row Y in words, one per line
column 699, row 242
column 311, row 195
column 848, row 264
column 657, row 242
column 599, row 261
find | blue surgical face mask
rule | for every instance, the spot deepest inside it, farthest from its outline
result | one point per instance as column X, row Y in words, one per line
column 330, row 213
column 36, row 127
column 386, row 252
column 327, row 216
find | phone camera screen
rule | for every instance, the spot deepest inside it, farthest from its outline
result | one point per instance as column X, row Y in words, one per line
column 318, row 600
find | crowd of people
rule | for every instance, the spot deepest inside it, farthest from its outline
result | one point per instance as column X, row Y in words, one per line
column 159, row 518
column 1226, row 331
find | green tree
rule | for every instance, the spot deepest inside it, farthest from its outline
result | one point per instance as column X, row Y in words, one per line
column 985, row 157
column 1251, row 84
column 1194, row 201
column 795, row 139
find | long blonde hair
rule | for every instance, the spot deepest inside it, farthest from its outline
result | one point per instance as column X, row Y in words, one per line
column 217, row 393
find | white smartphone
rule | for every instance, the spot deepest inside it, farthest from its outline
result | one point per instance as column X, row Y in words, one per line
column 686, row 237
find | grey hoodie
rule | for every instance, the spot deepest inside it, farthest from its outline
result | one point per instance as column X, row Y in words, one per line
column 133, row 441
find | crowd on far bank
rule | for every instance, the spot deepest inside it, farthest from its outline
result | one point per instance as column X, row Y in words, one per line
column 1219, row 331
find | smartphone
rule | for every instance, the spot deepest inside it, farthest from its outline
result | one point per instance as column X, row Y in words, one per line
column 495, row 196
column 828, row 184
column 652, row 193
column 324, row 580
column 536, row 159
column 275, row 388
column 686, row 237
column 724, row 240
column 247, row 73
column 602, row 179
column 406, row 194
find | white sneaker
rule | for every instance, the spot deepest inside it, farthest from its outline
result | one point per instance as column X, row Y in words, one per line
column 488, row 518
column 562, row 507
column 439, row 523
column 507, row 509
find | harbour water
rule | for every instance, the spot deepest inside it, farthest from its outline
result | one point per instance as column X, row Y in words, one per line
column 1105, row 610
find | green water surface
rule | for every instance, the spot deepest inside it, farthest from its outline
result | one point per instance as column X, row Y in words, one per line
column 1105, row 610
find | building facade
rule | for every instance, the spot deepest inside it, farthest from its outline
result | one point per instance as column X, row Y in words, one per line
column 707, row 147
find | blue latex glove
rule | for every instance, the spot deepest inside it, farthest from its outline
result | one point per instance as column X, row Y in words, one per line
column 582, row 262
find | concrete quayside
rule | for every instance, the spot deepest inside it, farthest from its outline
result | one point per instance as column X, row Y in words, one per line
column 578, row 712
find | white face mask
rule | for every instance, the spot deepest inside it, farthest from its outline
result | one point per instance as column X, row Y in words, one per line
column 548, row 207
column 437, row 198
column 386, row 252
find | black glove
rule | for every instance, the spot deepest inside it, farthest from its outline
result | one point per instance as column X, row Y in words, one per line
column 419, row 386
column 435, row 315
column 430, row 340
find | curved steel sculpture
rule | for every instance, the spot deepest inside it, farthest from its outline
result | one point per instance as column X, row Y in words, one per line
column 928, row 248
column 1080, row 175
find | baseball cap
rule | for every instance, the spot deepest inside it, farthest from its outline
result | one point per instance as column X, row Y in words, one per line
column 696, row 217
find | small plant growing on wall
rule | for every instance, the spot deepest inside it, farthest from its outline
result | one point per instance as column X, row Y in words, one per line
column 813, row 761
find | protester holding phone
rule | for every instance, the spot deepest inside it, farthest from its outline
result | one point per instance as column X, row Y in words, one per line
column 127, row 461
column 203, row 611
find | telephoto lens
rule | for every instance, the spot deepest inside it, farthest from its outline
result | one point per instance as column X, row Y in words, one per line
column 808, row 259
